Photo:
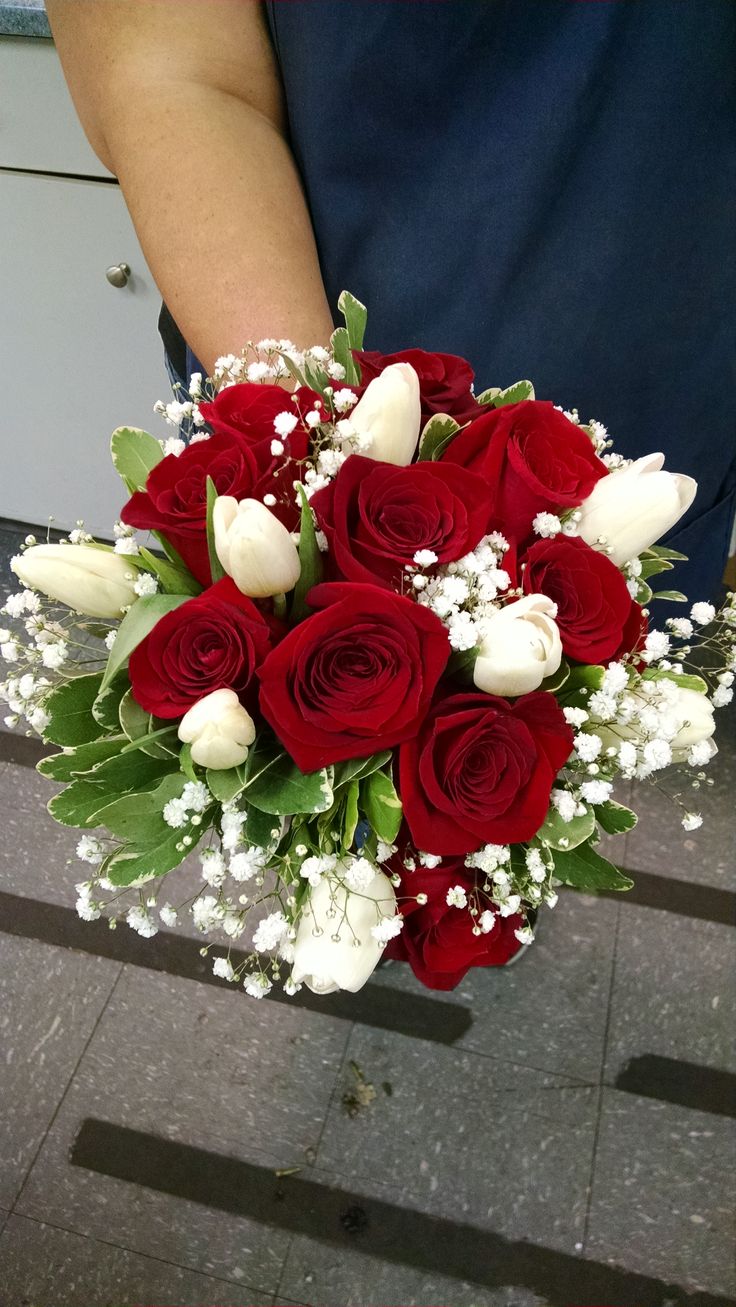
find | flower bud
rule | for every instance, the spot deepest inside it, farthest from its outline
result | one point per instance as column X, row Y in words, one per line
column 635, row 507
column 255, row 549
column 325, row 964
column 520, row 646
column 92, row 581
column 388, row 416
column 219, row 730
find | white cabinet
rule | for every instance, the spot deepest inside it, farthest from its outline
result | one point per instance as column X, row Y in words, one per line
column 78, row 357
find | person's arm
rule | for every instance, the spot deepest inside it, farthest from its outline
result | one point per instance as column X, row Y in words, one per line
column 182, row 101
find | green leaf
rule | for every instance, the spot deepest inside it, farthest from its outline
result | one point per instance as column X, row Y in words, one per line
column 106, row 707
column 135, row 626
column 316, row 378
column 138, row 724
column 129, row 771
column 511, row 395
column 461, row 664
column 675, row 596
column 138, row 816
column 653, row 566
column 259, row 827
column 566, row 835
column 275, row 784
column 580, row 684
column 438, row 433
column 134, row 454
column 351, row 815
column 64, row 766
column 340, row 346
column 664, row 551
column 226, row 784
column 381, row 805
column 185, row 763
column 357, row 768
column 310, row 559
column 643, row 591
column 614, row 818
column 488, row 396
column 585, row 869
column 70, row 712
column 216, row 568
column 80, row 804
column 174, row 580
column 291, row 367
column 355, row 315
column 686, row 680
column 558, row 678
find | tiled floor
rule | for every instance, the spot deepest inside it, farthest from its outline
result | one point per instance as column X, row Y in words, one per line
column 504, row 1170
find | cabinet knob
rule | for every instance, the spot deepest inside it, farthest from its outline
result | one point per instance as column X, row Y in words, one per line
column 118, row 275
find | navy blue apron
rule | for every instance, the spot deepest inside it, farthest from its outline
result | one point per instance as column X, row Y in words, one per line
column 548, row 189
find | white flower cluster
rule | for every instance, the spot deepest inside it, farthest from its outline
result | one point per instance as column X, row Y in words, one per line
column 465, row 593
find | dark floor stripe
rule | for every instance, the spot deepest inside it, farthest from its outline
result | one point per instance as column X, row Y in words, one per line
column 683, row 1083
column 684, row 897
column 414, row 1015
column 24, row 750
column 349, row 1220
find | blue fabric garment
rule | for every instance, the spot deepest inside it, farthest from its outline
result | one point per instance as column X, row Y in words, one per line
column 548, row 189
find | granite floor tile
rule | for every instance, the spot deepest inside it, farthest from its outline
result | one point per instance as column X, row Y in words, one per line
column 50, row 1000
column 707, row 856
column 673, row 992
column 471, row 1139
column 663, row 1193
column 207, row 1067
column 327, row 1277
column 549, row 1010
column 49, row 1267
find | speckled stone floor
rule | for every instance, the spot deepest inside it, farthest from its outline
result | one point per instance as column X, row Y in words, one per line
column 559, row 1134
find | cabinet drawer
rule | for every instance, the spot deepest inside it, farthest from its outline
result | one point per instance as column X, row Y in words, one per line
column 39, row 128
column 79, row 357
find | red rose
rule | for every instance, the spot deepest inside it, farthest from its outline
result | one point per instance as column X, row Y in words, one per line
column 534, row 459
column 481, row 770
column 356, row 677
column 438, row 941
column 248, row 409
column 174, row 501
column 444, row 380
column 597, row 617
column 212, row 642
column 376, row 516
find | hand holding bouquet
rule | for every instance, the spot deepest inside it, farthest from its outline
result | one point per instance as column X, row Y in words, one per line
column 382, row 672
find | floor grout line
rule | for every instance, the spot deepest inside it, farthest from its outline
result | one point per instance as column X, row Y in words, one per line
column 601, row 1086
column 67, row 1087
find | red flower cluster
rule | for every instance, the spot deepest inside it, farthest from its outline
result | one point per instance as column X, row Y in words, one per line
column 370, row 668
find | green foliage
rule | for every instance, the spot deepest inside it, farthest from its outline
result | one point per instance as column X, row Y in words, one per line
column 356, row 317
column 226, row 784
column 566, row 835
column 664, row 551
column 81, row 804
column 135, row 626
column 134, row 454
column 578, row 686
column 259, row 827
column 514, row 394
column 357, row 768
column 340, row 346
column 216, row 569
column 310, row 559
column 674, row 596
column 174, row 580
column 65, row 766
column 106, row 707
column 653, row 566
column 585, row 869
column 139, row 724
column 153, row 848
column 381, row 805
column 559, row 678
column 275, row 784
column 351, row 813
column 70, row 712
column 686, row 680
column 437, row 435
column 614, row 818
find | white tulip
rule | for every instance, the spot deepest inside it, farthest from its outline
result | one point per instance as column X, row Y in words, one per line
column 635, row 507
column 324, row 963
column 520, row 646
column 255, row 549
column 219, row 729
column 388, row 417
column 90, row 581
column 689, row 718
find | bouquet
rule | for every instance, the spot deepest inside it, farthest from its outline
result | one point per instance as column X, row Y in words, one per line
column 378, row 669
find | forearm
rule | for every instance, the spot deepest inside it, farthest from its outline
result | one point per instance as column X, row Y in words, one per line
column 218, row 207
